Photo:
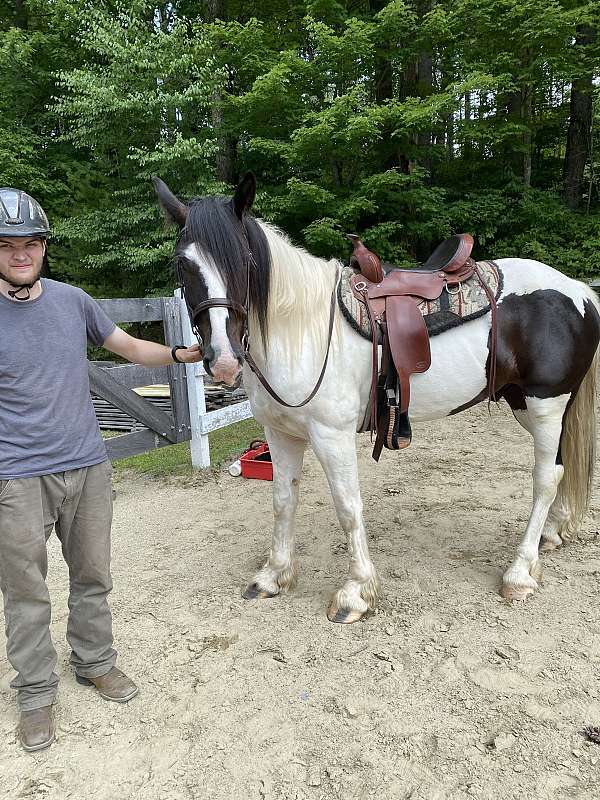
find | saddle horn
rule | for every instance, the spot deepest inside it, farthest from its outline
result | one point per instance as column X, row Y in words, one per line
column 364, row 261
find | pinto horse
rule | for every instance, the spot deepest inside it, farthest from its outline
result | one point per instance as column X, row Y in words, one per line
column 254, row 296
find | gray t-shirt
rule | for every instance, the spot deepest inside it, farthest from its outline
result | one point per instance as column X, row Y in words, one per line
column 47, row 420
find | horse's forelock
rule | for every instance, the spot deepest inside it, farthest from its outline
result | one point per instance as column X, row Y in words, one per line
column 213, row 227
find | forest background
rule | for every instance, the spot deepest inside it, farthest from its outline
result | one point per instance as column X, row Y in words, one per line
column 403, row 121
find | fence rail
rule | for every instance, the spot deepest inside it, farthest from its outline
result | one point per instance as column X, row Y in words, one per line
column 186, row 418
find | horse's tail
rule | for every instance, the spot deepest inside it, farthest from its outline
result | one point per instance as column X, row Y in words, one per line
column 578, row 445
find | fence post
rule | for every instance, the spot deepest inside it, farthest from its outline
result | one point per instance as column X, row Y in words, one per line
column 195, row 389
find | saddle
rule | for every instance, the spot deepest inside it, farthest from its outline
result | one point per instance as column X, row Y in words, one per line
column 392, row 301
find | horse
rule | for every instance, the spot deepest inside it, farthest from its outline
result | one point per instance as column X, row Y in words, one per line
column 255, row 298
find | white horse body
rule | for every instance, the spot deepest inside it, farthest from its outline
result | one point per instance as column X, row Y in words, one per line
column 559, row 413
column 457, row 375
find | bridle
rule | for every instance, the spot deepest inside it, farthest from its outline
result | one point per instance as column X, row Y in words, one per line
column 244, row 311
column 220, row 302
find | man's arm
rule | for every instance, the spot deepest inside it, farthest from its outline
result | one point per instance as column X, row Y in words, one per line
column 149, row 354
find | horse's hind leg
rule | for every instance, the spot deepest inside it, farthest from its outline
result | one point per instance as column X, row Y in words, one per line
column 543, row 419
column 279, row 572
column 336, row 450
column 556, row 529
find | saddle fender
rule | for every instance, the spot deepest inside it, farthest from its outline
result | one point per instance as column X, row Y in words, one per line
column 409, row 342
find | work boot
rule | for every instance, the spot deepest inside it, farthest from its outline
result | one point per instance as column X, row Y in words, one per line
column 36, row 729
column 114, row 685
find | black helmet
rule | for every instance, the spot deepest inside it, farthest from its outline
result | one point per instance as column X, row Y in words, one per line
column 21, row 215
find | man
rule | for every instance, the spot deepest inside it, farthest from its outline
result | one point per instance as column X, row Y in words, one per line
column 54, row 471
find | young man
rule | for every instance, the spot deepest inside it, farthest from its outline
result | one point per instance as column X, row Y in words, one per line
column 54, row 471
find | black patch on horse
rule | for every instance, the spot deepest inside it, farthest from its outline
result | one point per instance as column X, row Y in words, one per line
column 545, row 344
column 545, row 347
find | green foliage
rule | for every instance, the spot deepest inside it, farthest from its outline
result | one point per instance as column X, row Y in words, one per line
column 324, row 238
column 402, row 121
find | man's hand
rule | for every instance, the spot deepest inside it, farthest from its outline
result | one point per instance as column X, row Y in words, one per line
column 149, row 354
column 189, row 355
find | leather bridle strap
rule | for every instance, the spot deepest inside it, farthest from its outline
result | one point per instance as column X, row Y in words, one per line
column 252, row 364
column 244, row 310
column 219, row 302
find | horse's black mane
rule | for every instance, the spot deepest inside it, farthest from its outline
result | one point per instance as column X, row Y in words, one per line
column 213, row 225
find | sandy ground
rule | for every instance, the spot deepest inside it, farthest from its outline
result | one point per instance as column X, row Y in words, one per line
column 446, row 692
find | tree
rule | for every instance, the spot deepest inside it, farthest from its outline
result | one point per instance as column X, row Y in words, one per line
column 405, row 121
column 579, row 136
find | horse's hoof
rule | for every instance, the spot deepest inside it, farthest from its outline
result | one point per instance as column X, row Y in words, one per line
column 546, row 545
column 254, row 592
column 518, row 593
column 537, row 572
column 344, row 616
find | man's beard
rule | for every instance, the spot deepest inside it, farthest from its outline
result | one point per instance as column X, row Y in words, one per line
column 36, row 276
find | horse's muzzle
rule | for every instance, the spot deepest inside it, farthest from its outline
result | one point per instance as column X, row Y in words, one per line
column 226, row 369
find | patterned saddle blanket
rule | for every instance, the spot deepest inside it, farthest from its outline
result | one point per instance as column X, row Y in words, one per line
column 456, row 305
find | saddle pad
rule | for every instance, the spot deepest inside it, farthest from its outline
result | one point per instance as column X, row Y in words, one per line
column 451, row 309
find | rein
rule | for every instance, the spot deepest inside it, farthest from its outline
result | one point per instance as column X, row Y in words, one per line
column 252, row 364
column 244, row 312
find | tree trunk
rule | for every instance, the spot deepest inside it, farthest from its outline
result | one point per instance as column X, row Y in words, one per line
column 527, row 111
column 450, row 136
column 227, row 145
column 519, row 109
column 216, row 9
column 383, row 90
column 448, row 75
column 384, row 79
column 21, row 16
column 425, row 88
column 580, row 124
column 225, row 158
column 466, row 147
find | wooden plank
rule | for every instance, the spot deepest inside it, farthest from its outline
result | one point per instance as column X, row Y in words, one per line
column 111, row 418
column 134, row 375
column 199, row 445
column 132, row 444
column 177, row 372
column 137, row 407
column 222, row 417
column 133, row 309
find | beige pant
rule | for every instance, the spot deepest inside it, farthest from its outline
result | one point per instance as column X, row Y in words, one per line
column 78, row 505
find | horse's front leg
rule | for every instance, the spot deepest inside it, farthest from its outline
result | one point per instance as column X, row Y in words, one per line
column 279, row 572
column 336, row 450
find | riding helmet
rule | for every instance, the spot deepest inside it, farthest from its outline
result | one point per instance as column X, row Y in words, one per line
column 21, row 215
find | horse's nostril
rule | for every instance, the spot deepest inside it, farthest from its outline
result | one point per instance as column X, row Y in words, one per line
column 206, row 362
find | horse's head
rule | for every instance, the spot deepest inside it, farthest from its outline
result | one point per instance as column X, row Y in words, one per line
column 222, row 263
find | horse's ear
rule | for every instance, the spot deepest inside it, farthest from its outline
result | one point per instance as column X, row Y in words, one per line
column 244, row 194
column 175, row 211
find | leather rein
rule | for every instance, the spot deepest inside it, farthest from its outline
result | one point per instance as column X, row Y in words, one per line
column 244, row 312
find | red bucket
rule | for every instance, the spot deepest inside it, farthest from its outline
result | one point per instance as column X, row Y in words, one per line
column 256, row 462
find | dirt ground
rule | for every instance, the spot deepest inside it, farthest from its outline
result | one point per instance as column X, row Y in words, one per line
column 447, row 692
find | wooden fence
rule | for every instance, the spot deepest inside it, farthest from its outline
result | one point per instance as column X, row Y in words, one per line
column 188, row 419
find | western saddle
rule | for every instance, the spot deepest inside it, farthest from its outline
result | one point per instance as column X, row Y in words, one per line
column 392, row 301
